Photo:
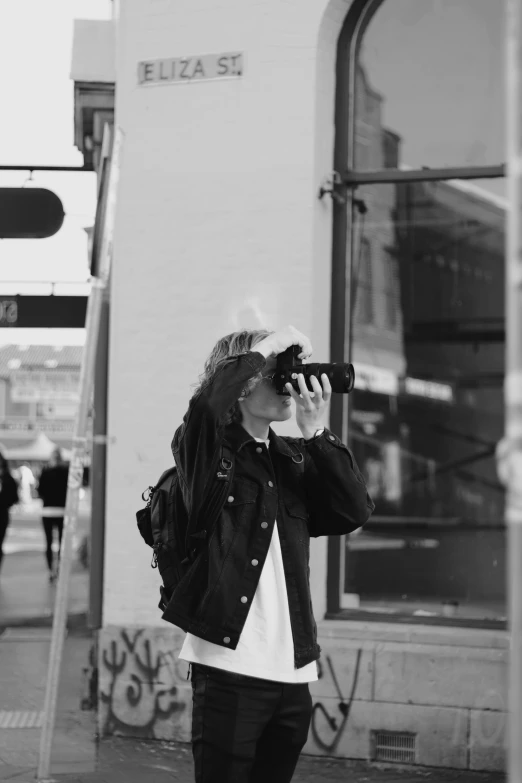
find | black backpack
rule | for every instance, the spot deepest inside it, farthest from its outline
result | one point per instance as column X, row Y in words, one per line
column 164, row 523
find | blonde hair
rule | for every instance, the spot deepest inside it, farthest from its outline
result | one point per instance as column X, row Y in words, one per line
column 231, row 345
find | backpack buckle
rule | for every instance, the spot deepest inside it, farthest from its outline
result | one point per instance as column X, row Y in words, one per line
column 225, row 464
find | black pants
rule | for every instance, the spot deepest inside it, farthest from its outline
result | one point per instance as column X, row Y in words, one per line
column 49, row 523
column 247, row 730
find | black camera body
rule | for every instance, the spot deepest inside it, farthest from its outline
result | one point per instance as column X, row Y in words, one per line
column 341, row 375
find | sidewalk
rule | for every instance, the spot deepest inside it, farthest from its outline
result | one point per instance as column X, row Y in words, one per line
column 26, row 609
column 25, row 633
column 136, row 761
column 27, row 596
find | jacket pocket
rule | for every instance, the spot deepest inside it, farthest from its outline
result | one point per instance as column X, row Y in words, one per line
column 241, row 499
column 239, row 509
column 295, row 507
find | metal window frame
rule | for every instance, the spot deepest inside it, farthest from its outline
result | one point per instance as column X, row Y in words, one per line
column 345, row 182
column 353, row 178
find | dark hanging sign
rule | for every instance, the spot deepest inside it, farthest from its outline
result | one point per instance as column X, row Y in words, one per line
column 29, row 213
column 47, row 312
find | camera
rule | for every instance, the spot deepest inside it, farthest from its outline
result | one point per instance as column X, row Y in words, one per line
column 341, row 375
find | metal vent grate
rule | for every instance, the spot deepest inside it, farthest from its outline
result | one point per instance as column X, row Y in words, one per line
column 395, row 746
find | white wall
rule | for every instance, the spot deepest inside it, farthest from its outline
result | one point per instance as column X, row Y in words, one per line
column 218, row 227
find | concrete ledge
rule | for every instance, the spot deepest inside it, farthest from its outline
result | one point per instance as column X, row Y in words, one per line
column 441, row 733
column 448, row 685
column 488, row 738
column 443, row 676
column 453, row 699
column 413, row 634
column 338, row 665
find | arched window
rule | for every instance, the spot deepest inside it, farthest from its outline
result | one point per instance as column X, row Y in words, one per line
column 418, row 306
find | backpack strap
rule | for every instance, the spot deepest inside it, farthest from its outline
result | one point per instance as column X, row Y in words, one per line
column 217, row 495
column 158, row 507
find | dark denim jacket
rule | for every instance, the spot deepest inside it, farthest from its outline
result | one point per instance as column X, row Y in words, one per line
column 321, row 493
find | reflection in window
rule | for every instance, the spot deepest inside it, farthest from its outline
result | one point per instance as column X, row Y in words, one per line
column 427, row 411
column 428, row 265
column 432, row 71
column 363, row 289
column 391, row 291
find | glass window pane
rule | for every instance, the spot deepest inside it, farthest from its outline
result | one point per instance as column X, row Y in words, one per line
column 429, row 85
column 427, row 410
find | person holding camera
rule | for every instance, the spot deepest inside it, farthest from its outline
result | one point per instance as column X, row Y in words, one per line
column 246, row 606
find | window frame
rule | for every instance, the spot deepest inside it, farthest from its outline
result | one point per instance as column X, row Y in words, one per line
column 346, row 180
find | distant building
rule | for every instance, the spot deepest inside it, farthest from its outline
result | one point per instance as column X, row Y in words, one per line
column 39, row 386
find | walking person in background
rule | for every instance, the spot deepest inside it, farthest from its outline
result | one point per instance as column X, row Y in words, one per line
column 26, row 484
column 8, row 498
column 52, row 488
column 245, row 603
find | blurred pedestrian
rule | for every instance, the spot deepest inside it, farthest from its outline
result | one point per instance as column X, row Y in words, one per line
column 8, row 498
column 26, row 484
column 52, row 488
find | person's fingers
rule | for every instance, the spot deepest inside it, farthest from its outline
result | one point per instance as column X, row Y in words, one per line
column 318, row 389
column 327, row 387
column 292, row 391
column 306, row 346
column 302, row 340
column 305, row 394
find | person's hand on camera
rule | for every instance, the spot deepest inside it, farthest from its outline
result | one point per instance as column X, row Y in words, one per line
column 311, row 411
column 278, row 342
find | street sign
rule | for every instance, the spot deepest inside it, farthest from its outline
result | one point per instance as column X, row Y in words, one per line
column 29, row 213
column 188, row 70
column 35, row 312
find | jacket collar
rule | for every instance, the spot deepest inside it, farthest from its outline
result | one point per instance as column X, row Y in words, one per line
column 237, row 437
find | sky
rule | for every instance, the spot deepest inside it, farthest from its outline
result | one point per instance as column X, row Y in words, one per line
column 37, row 128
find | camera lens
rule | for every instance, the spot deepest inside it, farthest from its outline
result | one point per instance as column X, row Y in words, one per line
column 340, row 375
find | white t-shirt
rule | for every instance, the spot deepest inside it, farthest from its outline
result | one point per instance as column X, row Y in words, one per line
column 265, row 648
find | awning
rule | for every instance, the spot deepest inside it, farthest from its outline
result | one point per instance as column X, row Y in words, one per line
column 40, row 449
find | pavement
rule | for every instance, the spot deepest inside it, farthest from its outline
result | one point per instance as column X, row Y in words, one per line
column 78, row 756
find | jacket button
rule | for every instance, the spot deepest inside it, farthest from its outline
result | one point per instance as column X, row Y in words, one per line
column 270, row 483
column 244, row 599
column 264, row 525
column 227, row 639
column 230, row 498
column 255, row 562
column 332, row 437
column 259, row 450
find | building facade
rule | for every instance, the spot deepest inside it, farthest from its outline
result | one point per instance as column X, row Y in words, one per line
column 234, row 116
column 39, row 393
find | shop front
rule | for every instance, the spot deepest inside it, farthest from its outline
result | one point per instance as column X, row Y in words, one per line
column 227, row 217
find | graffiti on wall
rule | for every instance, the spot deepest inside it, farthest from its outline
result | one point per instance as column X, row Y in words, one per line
column 327, row 729
column 140, row 685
